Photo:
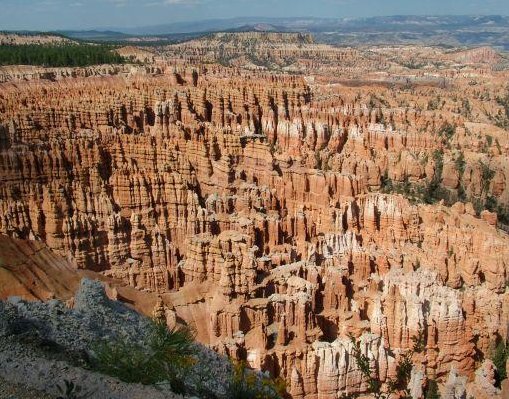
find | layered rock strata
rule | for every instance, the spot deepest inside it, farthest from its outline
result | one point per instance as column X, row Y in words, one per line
column 251, row 203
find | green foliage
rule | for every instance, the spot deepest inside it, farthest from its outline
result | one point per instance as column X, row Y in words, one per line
column 163, row 357
column 413, row 64
column 434, row 104
column 431, row 391
column 403, row 371
column 433, row 191
column 386, row 183
column 486, row 175
column 59, row 55
column 491, row 203
column 419, row 341
column 461, row 193
column 502, row 211
column 374, row 384
column 174, row 346
column 499, row 358
column 489, row 140
column 414, row 193
column 429, row 194
column 466, row 108
column 460, row 163
column 125, row 362
column 245, row 384
column 447, row 130
column 72, row 391
column 502, row 118
column 318, row 160
column 405, row 365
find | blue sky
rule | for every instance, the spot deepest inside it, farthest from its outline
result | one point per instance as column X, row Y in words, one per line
column 82, row 14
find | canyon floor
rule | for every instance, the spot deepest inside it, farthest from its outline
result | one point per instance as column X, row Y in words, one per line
column 285, row 199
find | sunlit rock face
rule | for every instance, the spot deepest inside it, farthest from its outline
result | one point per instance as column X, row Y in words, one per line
column 257, row 205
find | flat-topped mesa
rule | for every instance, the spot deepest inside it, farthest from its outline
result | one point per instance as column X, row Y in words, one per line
column 263, row 37
column 290, row 51
column 35, row 38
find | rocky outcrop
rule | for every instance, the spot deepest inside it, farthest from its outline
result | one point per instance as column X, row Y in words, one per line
column 31, row 270
column 75, row 331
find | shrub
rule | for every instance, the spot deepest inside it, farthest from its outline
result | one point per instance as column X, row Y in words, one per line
column 466, row 108
column 245, row 384
column 434, row 103
column 486, row 175
column 502, row 119
column 162, row 358
column 386, row 183
column 460, row 163
column 502, row 211
column 499, row 358
column 403, row 371
column 489, row 140
column 447, row 130
column 432, row 390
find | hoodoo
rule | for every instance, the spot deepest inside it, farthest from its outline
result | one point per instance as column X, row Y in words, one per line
column 335, row 218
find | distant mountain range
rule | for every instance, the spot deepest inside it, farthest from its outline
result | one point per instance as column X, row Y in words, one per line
column 437, row 30
column 318, row 25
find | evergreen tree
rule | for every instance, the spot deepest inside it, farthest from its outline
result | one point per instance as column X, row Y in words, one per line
column 61, row 55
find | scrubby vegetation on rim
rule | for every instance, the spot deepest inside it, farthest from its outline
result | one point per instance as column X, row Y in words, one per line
column 166, row 356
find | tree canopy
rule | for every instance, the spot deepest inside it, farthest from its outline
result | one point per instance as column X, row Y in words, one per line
column 61, row 55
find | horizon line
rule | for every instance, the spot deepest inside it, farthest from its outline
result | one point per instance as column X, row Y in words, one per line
column 117, row 29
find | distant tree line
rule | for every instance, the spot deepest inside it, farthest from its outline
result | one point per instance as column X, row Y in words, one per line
column 59, row 55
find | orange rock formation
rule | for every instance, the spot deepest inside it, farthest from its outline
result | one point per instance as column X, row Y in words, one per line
column 257, row 205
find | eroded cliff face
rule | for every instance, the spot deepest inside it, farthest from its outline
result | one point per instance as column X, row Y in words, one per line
column 252, row 203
